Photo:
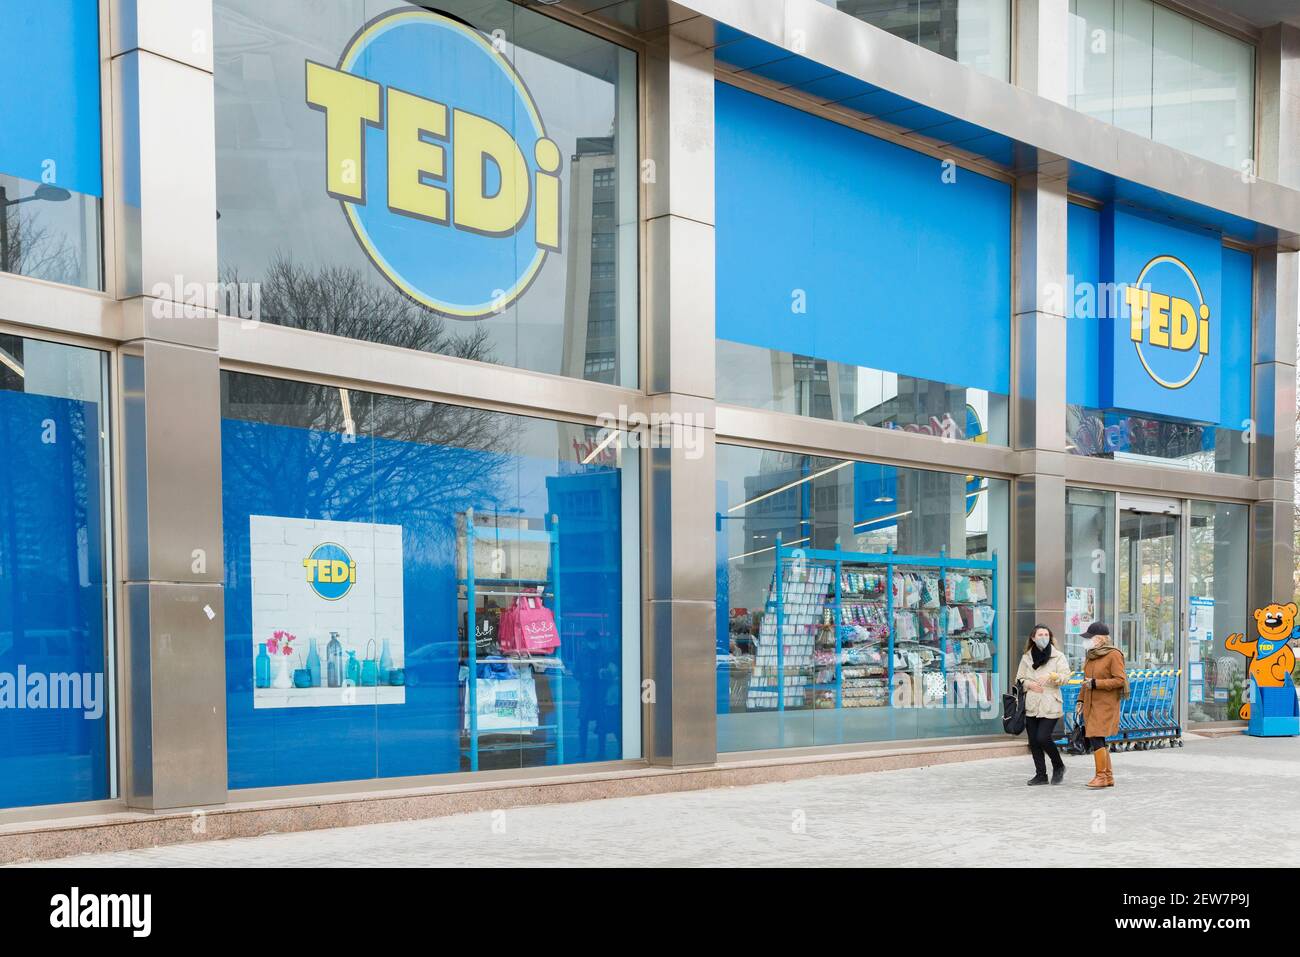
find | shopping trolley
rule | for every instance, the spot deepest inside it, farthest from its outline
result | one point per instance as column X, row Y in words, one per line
column 1148, row 717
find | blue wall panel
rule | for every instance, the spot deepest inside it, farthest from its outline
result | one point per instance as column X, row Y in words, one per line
column 1083, row 333
column 1236, row 337
column 901, row 270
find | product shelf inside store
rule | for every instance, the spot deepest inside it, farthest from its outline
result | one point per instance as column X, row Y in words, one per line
column 473, row 589
column 875, row 630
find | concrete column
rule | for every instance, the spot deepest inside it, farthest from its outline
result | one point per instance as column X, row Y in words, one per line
column 1277, row 311
column 164, row 233
column 681, row 589
column 1277, row 102
column 1038, row 405
column 1041, row 55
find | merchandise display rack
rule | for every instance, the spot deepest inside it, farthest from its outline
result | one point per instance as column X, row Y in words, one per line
column 805, row 569
column 471, row 589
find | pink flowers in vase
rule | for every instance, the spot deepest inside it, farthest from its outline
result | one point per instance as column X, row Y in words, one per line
column 281, row 643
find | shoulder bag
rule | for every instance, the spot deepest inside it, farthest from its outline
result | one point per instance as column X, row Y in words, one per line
column 1013, row 710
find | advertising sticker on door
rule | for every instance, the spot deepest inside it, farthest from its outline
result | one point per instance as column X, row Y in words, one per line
column 327, row 613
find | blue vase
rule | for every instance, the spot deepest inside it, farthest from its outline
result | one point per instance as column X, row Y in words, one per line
column 353, row 669
column 385, row 665
column 262, row 668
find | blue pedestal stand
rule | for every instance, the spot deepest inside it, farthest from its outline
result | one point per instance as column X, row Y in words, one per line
column 1275, row 712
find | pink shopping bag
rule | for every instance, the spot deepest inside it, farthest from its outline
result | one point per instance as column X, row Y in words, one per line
column 528, row 626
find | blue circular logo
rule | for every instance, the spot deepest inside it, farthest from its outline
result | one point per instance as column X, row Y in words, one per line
column 331, row 572
column 439, row 158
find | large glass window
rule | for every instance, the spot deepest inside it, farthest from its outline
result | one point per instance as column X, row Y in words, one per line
column 456, row 588
column 487, row 209
column 1164, row 75
column 51, row 180
column 974, row 32
column 887, row 303
column 56, row 680
column 1089, row 565
column 886, row 586
column 1216, row 580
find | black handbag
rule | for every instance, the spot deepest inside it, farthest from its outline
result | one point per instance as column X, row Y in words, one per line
column 1013, row 710
column 1078, row 742
column 485, row 632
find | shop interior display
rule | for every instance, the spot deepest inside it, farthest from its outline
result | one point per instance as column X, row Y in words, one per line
column 864, row 630
column 510, row 642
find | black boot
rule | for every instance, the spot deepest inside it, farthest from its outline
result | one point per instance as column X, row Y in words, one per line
column 1058, row 774
column 1039, row 778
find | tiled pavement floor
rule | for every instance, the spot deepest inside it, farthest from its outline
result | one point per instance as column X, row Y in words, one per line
column 1194, row 806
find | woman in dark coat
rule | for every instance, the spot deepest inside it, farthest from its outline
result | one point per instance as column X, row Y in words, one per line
column 1104, row 686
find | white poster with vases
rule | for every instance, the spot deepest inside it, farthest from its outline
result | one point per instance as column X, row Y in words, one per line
column 327, row 613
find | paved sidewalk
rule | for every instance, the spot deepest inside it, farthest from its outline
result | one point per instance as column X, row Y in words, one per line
column 1209, row 803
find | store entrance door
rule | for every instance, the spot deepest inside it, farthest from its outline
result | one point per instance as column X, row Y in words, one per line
column 1150, row 567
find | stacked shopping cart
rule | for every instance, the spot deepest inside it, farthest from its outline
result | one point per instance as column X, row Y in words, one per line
column 1148, row 717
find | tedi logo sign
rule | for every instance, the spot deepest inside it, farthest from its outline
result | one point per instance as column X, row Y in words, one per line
column 75, row 909
column 1160, row 347
column 438, row 156
column 331, row 572
column 1167, row 321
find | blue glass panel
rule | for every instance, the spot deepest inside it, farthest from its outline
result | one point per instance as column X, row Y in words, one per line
column 55, row 120
column 54, row 713
column 289, row 472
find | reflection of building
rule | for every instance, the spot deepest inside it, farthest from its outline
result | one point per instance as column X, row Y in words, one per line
column 824, row 389
column 591, row 298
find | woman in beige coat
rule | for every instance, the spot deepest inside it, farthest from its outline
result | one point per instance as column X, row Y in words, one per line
column 1043, row 669
column 1105, row 685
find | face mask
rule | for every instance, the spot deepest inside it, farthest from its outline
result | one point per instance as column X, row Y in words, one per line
column 1041, row 641
column 1090, row 643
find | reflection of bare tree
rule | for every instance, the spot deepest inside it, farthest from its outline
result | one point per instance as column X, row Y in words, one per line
column 340, row 301
column 365, row 455
column 33, row 249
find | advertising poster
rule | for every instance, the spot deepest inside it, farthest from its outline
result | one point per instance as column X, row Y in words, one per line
column 1200, row 619
column 1080, row 609
column 327, row 613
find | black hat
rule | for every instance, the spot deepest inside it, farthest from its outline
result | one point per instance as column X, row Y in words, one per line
column 1098, row 628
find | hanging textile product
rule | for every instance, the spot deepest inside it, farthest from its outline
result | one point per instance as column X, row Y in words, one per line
column 507, row 698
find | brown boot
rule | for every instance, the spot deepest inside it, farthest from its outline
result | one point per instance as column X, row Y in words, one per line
column 1099, row 762
column 1110, row 771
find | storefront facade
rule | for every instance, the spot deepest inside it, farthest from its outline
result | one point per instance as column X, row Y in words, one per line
column 404, row 394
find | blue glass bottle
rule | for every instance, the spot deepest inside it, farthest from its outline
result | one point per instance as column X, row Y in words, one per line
column 262, row 669
column 354, row 669
column 334, row 661
column 313, row 664
column 385, row 665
